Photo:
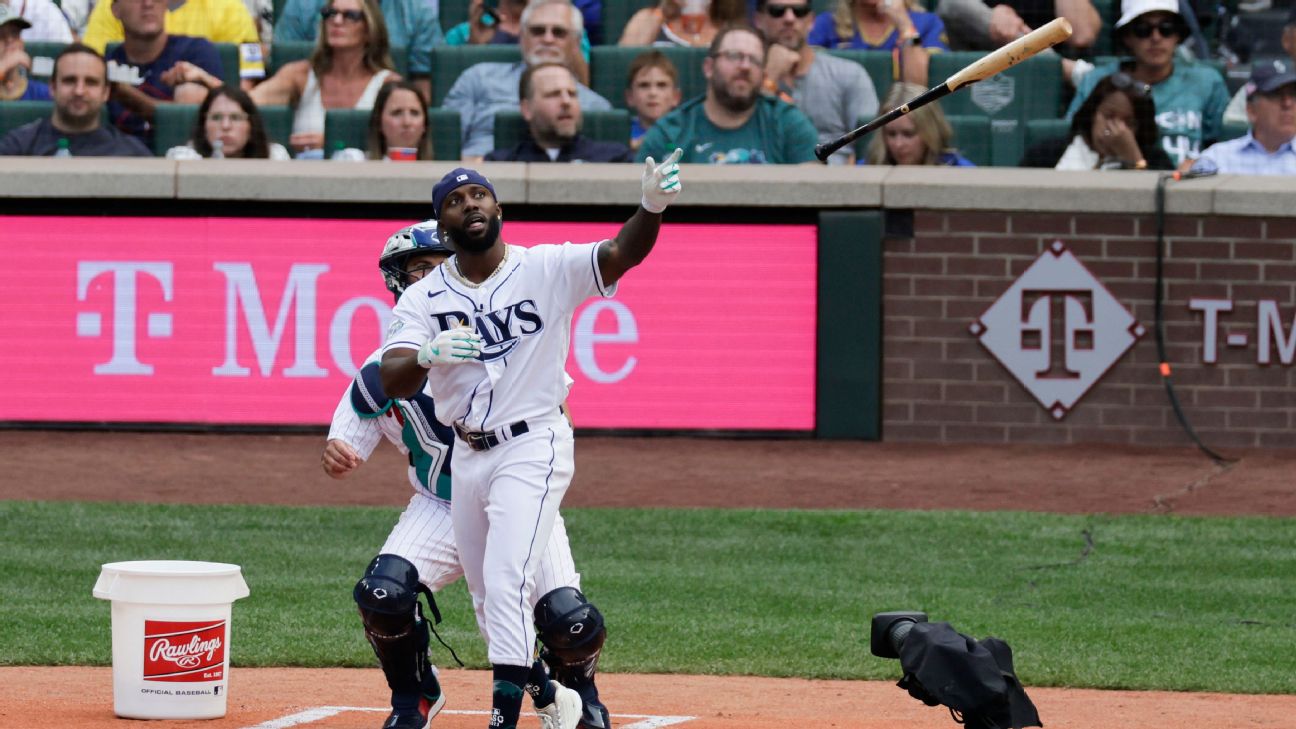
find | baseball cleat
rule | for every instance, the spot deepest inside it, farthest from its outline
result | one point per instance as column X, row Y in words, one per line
column 594, row 715
column 564, row 712
column 420, row 717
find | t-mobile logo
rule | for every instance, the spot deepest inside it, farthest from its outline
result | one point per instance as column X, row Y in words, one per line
column 124, row 277
column 1057, row 329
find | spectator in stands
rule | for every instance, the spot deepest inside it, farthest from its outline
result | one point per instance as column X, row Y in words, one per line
column 80, row 89
column 77, row 13
column 152, row 67
column 652, row 90
column 399, row 122
column 884, row 25
column 1114, row 129
column 921, row 137
column 983, row 25
column 229, row 126
column 1236, row 112
column 549, row 32
column 499, row 25
column 15, row 64
column 734, row 123
column 219, row 21
column 411, row 24
column 350, row 63
column 668, row 23
column 833, row 92
column 551, row 107
column 1271, row 108
column 1189, row 98
column 45, row 21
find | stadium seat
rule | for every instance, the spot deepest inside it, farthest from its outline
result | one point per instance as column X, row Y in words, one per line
column 172, row 124
column 43, row 49
column 1109, row 12
column 608, row 126
column 447, row 133
column 285, row 52
column 452, row 13
column 1038, row 130
column 348, row 126
column 610, row 64
column 278, row 120
column 229, row 60
column 450, row 61
column 616, row 13
column 1029, row 90
column 1233, row 130
column 877, row 63
column 14, row 114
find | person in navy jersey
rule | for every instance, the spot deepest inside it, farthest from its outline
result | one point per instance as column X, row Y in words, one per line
column 551, row 108
column 15, row 64
column 884, row 25
column 152, row 67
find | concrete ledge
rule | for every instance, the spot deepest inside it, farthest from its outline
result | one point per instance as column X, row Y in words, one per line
column 323, row 181
column 808, row 186
column 80, row 177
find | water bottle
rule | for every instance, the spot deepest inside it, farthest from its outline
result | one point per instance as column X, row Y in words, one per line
column 218, row 149
column 342, row 154
column 63, row 148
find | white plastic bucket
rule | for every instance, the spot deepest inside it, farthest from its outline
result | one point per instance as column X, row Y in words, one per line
column 170, row 636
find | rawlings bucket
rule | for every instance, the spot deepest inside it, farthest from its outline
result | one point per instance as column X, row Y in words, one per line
column 170, row 636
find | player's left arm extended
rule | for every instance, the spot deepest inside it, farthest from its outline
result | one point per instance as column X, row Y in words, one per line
column 632, row 244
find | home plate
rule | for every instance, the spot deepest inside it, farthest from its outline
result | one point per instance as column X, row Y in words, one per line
column 320, row 713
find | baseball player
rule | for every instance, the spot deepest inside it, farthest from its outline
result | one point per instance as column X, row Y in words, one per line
column 419, row 554
column 488, row 331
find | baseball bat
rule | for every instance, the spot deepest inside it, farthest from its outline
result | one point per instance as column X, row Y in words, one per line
column 1045, row 36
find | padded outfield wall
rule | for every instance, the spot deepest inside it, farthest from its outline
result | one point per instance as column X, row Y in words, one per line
column 928, row 305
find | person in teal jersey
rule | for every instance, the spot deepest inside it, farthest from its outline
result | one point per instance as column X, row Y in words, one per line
column 1190, row 98
column 733, row 123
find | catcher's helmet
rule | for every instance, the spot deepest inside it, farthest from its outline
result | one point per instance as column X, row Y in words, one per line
column 408, row 241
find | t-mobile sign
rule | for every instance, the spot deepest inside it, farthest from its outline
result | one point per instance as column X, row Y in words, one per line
column 263, row 321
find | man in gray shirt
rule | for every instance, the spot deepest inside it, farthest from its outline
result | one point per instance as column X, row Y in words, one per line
column 833, row 92
column 551, row 31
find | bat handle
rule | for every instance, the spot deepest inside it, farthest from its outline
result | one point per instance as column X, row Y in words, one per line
column 825, row 150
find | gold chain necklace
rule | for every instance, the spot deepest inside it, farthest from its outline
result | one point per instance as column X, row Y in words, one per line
column 464, row 279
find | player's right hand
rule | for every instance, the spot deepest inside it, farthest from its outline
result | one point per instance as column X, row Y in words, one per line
column 661, row 182
column 452, row 346
column 338, row 459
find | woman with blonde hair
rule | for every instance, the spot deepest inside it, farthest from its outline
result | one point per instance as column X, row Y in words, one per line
column 921, row 137
column 351, row 62
column 899, row 26
column 682, row 22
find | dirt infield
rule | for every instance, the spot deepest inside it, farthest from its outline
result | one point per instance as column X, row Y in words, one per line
column 662, row 472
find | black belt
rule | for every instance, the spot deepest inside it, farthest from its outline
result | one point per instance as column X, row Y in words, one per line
column 484, row 440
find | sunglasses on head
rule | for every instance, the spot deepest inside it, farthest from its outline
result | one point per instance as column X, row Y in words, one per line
column 1126, row 82
column 355, row 16
column 1167, row 28
column 777, row 10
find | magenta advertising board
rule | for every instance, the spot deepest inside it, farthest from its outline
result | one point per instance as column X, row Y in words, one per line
column 262, row 321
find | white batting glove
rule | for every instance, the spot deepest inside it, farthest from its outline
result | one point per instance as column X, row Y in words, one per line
column 661, row 182
column 452, row 346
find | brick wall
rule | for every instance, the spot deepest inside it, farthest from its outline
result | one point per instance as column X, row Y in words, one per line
column 941, row 385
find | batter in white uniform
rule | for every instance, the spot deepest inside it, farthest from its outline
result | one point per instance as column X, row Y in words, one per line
column 489, row 331
column 419, row 554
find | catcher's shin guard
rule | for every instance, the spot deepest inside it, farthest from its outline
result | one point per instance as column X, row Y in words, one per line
column 387, row 597
column 571, row 631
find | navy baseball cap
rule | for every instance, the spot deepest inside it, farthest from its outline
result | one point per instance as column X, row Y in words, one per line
column 455, row 179
column 1269, row 76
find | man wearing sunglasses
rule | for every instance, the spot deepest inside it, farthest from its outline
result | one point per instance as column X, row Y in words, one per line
column 733, row 123
column 551, row 32
column 411, row 24
column 1189, row 98
column 833, row 92
column 1271, row 109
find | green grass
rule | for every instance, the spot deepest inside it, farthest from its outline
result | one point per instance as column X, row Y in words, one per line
column 1136, row 602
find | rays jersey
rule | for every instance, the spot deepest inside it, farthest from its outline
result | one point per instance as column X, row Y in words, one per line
column 365, row 415
column 523, row 313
